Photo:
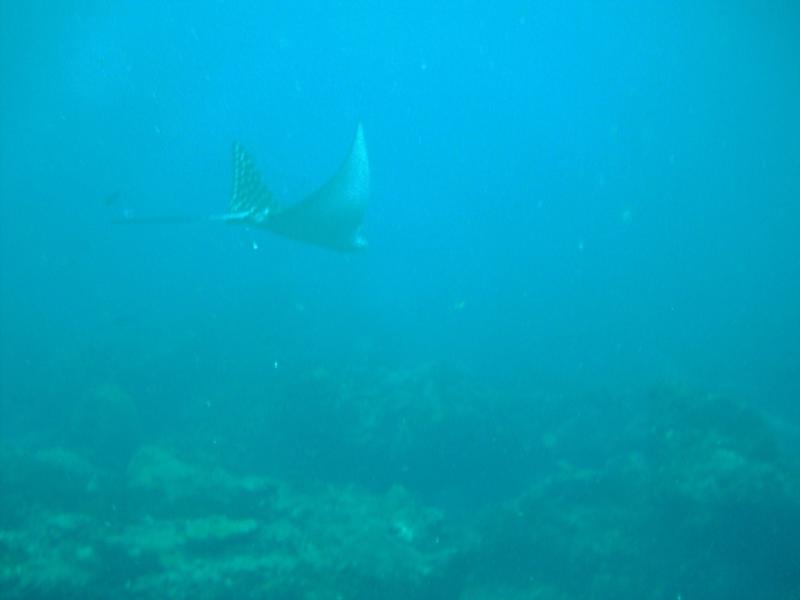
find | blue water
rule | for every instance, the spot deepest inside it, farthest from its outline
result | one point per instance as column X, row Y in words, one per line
column 571, row 201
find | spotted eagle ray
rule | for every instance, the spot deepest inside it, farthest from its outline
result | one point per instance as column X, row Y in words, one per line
column 330, row 217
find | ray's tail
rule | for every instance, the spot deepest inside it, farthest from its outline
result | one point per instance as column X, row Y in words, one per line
column 129, row 218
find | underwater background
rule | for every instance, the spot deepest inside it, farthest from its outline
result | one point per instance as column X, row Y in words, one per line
column 566, row 367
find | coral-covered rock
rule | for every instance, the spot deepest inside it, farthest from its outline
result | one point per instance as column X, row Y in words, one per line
column 181, row 541
column 702, row 504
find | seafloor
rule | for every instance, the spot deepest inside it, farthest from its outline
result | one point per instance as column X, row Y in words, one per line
column 406, row 484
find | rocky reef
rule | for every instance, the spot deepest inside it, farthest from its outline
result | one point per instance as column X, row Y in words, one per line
column 697, row 502
column 671, row 495
column 172, row 529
